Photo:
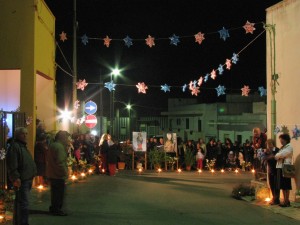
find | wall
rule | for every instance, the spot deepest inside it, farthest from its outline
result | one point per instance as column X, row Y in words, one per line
column 285, row 15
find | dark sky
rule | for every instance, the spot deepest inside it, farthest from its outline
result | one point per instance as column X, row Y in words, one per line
column 163, row 63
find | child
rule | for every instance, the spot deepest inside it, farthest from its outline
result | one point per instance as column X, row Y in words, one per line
column 199, row 157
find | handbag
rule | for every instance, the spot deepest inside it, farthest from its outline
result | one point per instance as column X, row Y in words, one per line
column 288, row 171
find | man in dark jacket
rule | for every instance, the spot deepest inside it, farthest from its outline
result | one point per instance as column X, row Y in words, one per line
column 57, row 171
column 21, row 171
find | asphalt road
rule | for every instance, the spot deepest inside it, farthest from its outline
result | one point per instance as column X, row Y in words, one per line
column 167, row 198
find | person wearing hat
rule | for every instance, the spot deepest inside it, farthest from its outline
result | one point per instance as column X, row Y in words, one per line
column 57, row 171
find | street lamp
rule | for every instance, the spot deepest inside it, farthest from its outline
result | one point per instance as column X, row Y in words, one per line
column 128, row 107
column 115, row 72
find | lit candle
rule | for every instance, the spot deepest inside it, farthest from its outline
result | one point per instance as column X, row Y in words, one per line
column 82, row 175
column 2, row 219
column 267, row 200
column 90, row 171
column 222, row 170
column 103, row 170
column 140, row 170
column 253, row 170
column 199, row 171
column 236, row 171
column 212, row 171
column 159, row 170
column 179, row 170
column 73, row 177
column 40, row 187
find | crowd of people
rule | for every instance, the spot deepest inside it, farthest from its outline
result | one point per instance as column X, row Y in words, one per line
column 49, row 163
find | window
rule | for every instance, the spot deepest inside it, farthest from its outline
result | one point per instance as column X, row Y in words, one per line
column 170, row 123
column 187, row 123
column 199, row 125
column 178, row 122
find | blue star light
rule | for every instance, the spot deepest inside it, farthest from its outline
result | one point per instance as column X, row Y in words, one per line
column 110, row 86
column 224, row 34
column 220, row 90
column 220, row 68
column 206, row 77
column 277, row 130
column 184, row 87
column 235, row 58
column 174, row 40
column 84, row 39
column 296, row 132
column 195, row 83
column 262, row 91
column 165, row 88
column 128, row 41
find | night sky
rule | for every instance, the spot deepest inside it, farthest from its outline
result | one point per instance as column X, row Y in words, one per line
column 163, row 63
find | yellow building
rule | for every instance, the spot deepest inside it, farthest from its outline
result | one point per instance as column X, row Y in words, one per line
column 283, row 57
column 27, row 62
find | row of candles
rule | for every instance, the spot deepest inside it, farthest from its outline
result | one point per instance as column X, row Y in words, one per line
column 159, row 170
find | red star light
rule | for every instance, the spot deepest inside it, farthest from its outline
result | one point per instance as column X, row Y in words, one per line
column 249, row 27
column 141, row 87
column 81, row 84
column 199, row 37
column 228, row 64
column 63, row 36
column 107, row 41
column 200, row 81
column 213, row 74
column 245, row 90
column 195, row 91
column 150, row 41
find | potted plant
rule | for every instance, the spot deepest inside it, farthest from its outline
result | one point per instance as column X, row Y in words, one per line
column 156, row 157
column 189, row 159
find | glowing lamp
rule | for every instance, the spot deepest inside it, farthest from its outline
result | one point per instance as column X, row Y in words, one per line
column 222, row 170
column 40, row 187
column 236, row 171
column 199, row 171
column 159, row 170
column 90, row 171
column 103, row 170
column 82, row 175
column 212, row 171
column 267, row 200
column 73, row 178
column 253, row 171
column 140, row 170
column 2, row 219
column 179, row 170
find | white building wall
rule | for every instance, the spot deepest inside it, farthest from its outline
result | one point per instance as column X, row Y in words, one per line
column 285, row 16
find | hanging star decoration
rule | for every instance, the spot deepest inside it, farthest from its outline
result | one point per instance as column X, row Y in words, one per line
column 195, row 83
column 63, row 36
column 165, row 88
column 199, row 37
column 2, row 154
column 184, row 87
column 81, row 84
column 174, row 40
column 249, row 27
column 128, row 41
column 141, row 87
column 206, row 77
column 277, row 129
column 110, row 85
column 213, row 74
column 224, row 34
column 220, row 90
column 285, row 129
column 200, row 81
column 29, row 120
column 235, row 58
column 262, row 91
column 220, row 69
column 107, row 41
column 150, row 41
column 228, row 64
column 195, row 91
column 245, row 90
column 84, row 39
column 76, row 104
column 191, row 84
column 296, row 133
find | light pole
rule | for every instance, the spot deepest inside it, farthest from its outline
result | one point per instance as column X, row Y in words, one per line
column 128, row 107
column 115, row 72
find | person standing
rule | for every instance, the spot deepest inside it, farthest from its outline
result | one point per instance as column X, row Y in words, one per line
column 269, row 158
column 21, row 171
column 199, row 157
column 284, row 156
column 112, row 157
column 40, row 151
column 57, row 171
